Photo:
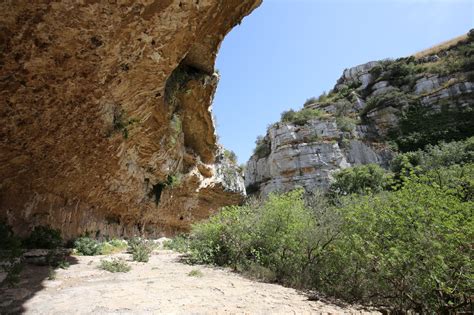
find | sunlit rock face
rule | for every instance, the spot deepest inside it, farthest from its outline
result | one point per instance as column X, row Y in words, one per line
column 307, row 156
column 106, row 124
column 374, row 110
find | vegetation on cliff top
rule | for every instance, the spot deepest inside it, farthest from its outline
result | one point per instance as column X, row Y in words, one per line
column 418, row 124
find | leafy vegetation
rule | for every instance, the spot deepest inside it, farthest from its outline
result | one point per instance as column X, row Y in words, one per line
column 52, row 274
column 123, row 124
column 345, row 123
column 90, row 247
column 361, row 179
column 435, row 156
column 313, row 99
column 10, row 254
column 179, row 243
column 196, row 273
column 176, row 129
column 230, row 155
column 115, row 265
column 301, row 117
column 419, row 126
column 112, row 246
column 408, row 249
column 141, row 249
column 400, row 240
column 174, row 180
column 279, row 235
column 393, row 98
column 262, row 147
column 44, row 237
column 87, row 246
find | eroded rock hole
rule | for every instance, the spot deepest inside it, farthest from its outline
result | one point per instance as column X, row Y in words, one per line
column 177, row 82
column 156, row 191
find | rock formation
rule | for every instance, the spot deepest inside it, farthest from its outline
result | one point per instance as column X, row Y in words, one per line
column 105, row 114
column 374, row 110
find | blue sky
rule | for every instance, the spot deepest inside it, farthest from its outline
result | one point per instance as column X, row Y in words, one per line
column 289, row 50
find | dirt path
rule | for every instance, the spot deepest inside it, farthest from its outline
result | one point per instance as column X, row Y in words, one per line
column 164, row 286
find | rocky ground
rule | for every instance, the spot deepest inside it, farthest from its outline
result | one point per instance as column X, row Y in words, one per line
column 163, row 285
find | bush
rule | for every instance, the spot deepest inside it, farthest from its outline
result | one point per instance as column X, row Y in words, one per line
column 174, row 180
column 112, row 246
column 278, row 235
column 141, row 249
column 346, row 124
column 361, row 179
column 179, row 243
column 8, row 241
column 376, row 72
column 230, row 155
column 196, row 273
column 115, row 265
column 435, row 156
column 419, row 126
column 409, row 249
column 10, row 254
column 262, row 148
column 44, row 237
column 300, row 117
column 394, row 98
column 313, row 99
column 87, row 246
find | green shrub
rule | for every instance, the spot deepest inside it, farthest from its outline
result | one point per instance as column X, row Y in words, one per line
column 262, row 147
column 87, row 246
column 90, row 247
column 121, row 123
column 64, row 264
column 44, row 237
column 278, row 235
column 300, row 117
column 141, row 250
column 313, row 100
column 435, row 156
column 52, row 274
column 346, row 124
column 230, row 155
column 179, row 243
column 174, row 180
column 10, row 254
column 409, row 249
column 8, row 241
column 393, row 98
column 420, row 126
column 118, row 243
column 196, row 273
column 361, row 179
column 376, row 72
column 176, row 130
column 112, row 246
column 343, row 107
column 115, row 265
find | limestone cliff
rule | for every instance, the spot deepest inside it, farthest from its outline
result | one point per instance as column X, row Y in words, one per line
column 375, row 110
column 105, row 119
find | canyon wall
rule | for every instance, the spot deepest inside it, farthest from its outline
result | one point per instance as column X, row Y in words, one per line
column 105, row 119
column 374, row 111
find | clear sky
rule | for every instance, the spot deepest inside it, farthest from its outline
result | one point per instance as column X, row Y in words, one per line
column 289, row 50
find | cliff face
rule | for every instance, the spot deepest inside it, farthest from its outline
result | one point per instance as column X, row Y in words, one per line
column 105, row 119
column 375, row 110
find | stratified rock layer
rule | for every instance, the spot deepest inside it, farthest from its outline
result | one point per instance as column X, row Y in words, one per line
column 407, row 103
column 105, row 122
